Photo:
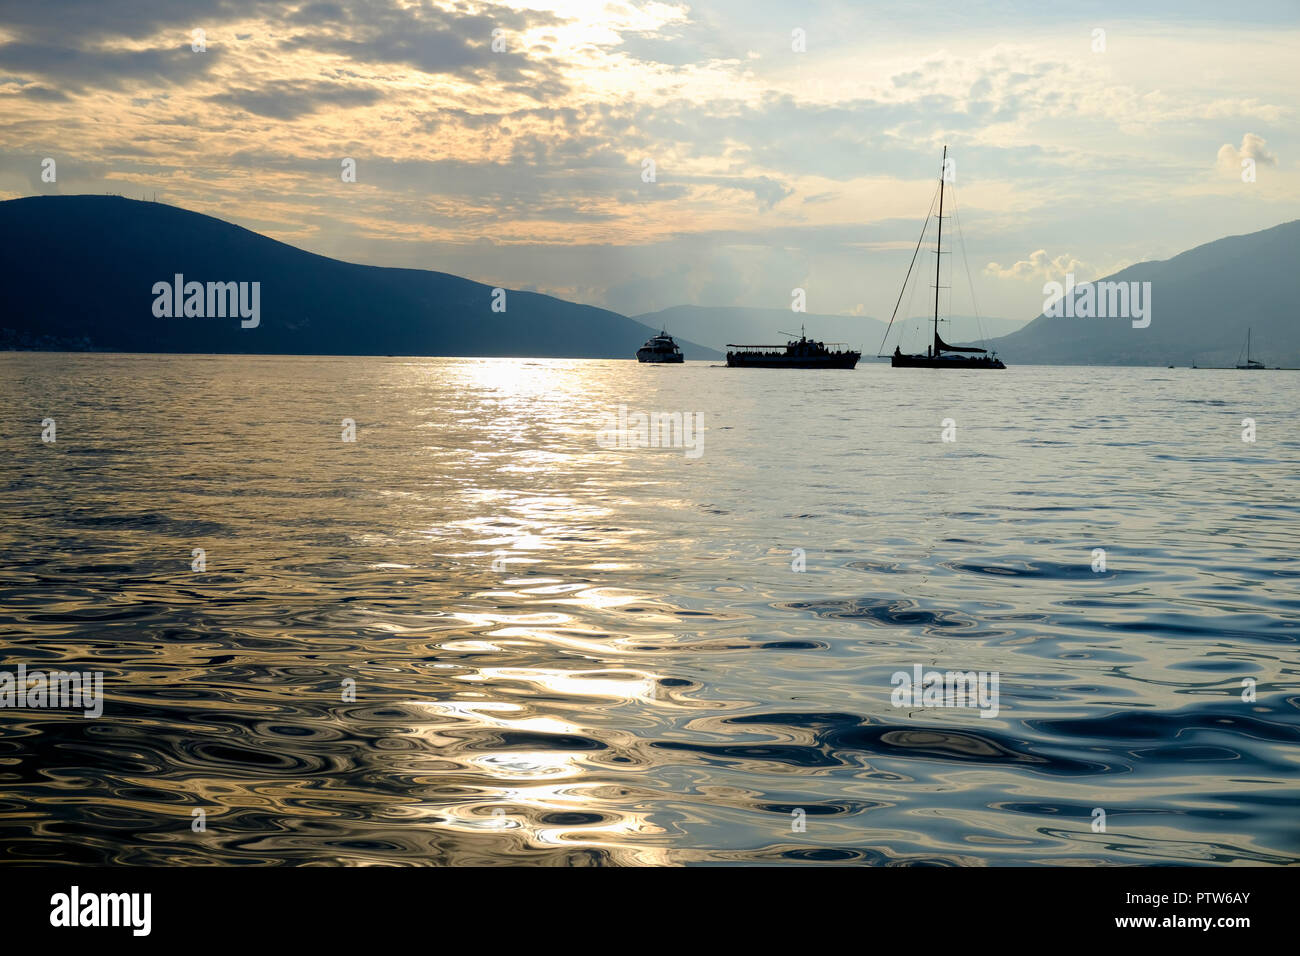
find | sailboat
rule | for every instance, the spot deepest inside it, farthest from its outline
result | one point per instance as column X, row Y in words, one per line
column 940, row 354
column 1250, row 362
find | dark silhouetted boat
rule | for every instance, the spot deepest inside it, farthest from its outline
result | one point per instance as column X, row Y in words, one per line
column 803, row 353
column 939, row 354
column 1250, row 362
column 659, row 349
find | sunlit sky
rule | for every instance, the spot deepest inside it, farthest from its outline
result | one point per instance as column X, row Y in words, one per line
column 774, row 168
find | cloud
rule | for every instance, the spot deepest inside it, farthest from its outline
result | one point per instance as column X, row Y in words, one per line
column 76, row 69
column 1039, row 266
column 452, row 41
column 1252, row 147
column 82, row 23
column 679, row 39
column 291, row 100
column 41, row 93
column 766, row 190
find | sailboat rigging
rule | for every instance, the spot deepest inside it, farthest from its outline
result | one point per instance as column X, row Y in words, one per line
column 940, row 354
column 1250, row 362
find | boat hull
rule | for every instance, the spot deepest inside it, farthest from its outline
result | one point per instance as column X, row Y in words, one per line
column 758, row 360
column 659, row 358
column 925, row 361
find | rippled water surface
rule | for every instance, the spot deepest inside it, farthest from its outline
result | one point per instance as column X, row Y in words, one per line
column 569, row 654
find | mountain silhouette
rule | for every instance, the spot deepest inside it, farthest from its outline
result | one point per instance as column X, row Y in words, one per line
column 1202, row 302
column 79, row 273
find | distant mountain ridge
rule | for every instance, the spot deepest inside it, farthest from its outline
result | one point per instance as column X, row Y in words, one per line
column 1202, row 302
column 80, row 272
column 84, row 272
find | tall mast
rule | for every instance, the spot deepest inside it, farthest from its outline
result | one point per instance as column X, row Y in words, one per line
column 938, row 253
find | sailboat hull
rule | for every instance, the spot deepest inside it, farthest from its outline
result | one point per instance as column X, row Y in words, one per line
column 945, row 361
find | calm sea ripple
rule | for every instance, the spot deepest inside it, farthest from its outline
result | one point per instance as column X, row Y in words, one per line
column 476, row 636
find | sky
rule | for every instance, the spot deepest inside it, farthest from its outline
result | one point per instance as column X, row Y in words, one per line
column 775, row 168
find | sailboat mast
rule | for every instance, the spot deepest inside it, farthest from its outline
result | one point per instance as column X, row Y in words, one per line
column 938, row 253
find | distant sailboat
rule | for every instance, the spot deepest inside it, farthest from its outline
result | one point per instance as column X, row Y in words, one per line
column 1250, row 362
column 940, row 354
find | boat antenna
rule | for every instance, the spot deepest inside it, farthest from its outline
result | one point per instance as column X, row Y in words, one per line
column 915, row 252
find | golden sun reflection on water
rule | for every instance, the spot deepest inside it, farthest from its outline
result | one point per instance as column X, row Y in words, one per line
column 612, row 648
column 527, row 798
column 636, row 685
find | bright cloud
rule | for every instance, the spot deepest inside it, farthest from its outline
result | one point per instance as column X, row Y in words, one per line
column 1040, row 265
column 1252, row 147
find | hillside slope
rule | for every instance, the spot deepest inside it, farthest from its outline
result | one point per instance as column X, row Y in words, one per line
column 1202, row 302
column 79, row 272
